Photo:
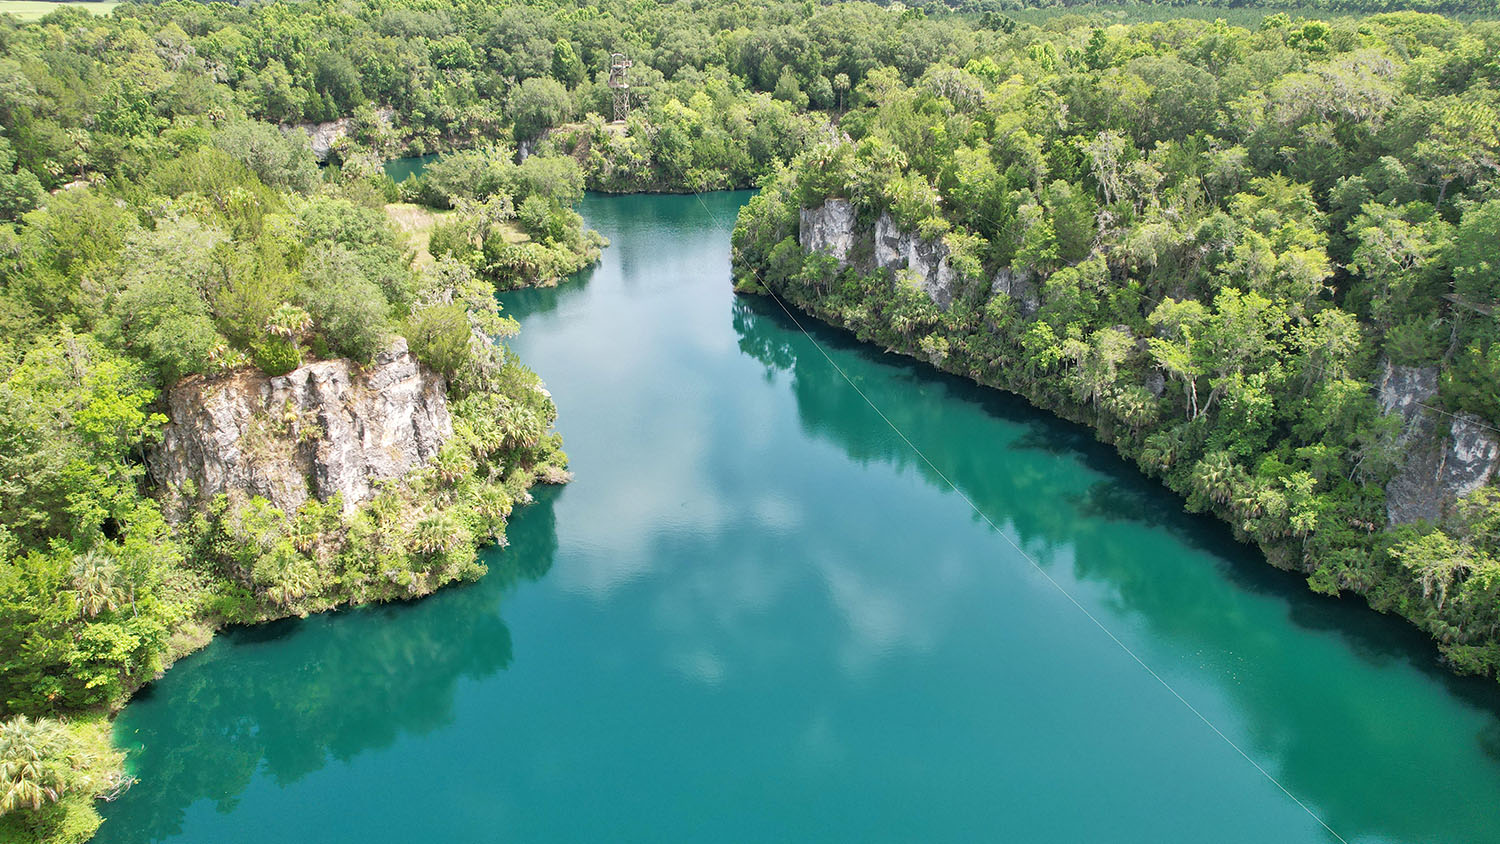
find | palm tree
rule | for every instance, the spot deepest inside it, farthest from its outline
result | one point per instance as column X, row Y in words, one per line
column 1216, row 477
column 451, row 464
column 435, row 534
column 304, row 534
column 296, row 579
column 493, row 505
column 96, row 583
column 34, row 763
column 288, row 321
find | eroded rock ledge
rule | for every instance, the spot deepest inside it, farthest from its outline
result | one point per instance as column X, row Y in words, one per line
column 324, row 429
column 1446, row 457
column 833, row 229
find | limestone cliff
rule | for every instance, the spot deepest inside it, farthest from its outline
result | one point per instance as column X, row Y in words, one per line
column 326, row 428
column 926, row 260
column 325, row 136
column 832, row 229
column 829, row 229
column 1445, row 456
column 1020, row 287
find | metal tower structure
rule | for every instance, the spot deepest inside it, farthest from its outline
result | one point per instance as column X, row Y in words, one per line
column 618, row 64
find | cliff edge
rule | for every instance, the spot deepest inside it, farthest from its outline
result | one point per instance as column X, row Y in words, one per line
column 326, row 428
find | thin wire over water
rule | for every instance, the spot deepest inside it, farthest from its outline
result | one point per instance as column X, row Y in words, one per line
column 1034, row 564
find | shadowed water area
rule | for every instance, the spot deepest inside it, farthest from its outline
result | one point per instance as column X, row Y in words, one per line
column 755, row 616
column 401, row 169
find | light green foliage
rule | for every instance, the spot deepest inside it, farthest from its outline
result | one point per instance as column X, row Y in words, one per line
column 50, row 772
column 1202, row 241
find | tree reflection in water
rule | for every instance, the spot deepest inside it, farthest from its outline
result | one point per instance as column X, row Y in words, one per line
column 1180, row 580
column 286, row 698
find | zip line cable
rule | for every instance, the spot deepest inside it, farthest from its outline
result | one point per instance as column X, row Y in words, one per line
column 1024, row 555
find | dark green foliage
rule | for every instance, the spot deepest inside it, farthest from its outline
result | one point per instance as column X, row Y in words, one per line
column 537, row 105
column 276, row 355
column 1161, row 265
column 277, row 158
column 349, row 310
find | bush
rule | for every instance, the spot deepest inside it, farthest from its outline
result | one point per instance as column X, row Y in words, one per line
column 276, row 356
column 440, row 337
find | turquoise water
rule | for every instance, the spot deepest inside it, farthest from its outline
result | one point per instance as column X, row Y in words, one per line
column 754, row 616
column 401, row 169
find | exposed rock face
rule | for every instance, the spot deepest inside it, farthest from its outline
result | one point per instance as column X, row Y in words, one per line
column 1020, row 287
column 927, row 260
column 1446, row 457
column 325, row 135
column 829, row 229
column 322, row 429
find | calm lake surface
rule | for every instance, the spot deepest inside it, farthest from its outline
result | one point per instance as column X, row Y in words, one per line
column 754, row 616
column 401, row 169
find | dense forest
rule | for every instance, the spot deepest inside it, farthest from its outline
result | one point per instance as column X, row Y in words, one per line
column 1213, row 237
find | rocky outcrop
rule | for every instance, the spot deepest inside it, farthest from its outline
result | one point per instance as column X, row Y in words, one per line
column 1020, row 287
column 324, row 429
column 828, row 229
column 325, row 136
column 831, row 229
column 1446, row 456
column 925, row 260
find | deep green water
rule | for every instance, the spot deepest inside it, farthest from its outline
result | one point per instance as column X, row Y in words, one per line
column 754, row 617
column 401, row 169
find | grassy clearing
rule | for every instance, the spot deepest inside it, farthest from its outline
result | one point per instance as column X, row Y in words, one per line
column 30, row 10
column 417, row 221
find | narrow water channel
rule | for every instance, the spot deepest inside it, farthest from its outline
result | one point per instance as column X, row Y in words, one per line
column 756, row 616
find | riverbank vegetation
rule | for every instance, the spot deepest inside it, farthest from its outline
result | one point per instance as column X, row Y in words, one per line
column 512, row 224
column 1209, row 244
column 177, row 239
column 1214, row 235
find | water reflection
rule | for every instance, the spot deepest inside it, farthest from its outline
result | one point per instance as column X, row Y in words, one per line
column 283, row 699
column 768, row 621
column 1350, row 741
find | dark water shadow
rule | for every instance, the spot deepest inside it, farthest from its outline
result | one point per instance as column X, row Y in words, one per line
column 333, row 686
column 537, row 301
column 1124, row 494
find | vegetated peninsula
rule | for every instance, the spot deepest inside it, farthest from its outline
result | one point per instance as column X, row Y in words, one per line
column 1258, row 257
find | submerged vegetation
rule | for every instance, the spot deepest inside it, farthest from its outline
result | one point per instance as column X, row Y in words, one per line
column 1202, row 239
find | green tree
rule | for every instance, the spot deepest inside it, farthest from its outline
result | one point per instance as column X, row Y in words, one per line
column 538, row 105
column 96, row 583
